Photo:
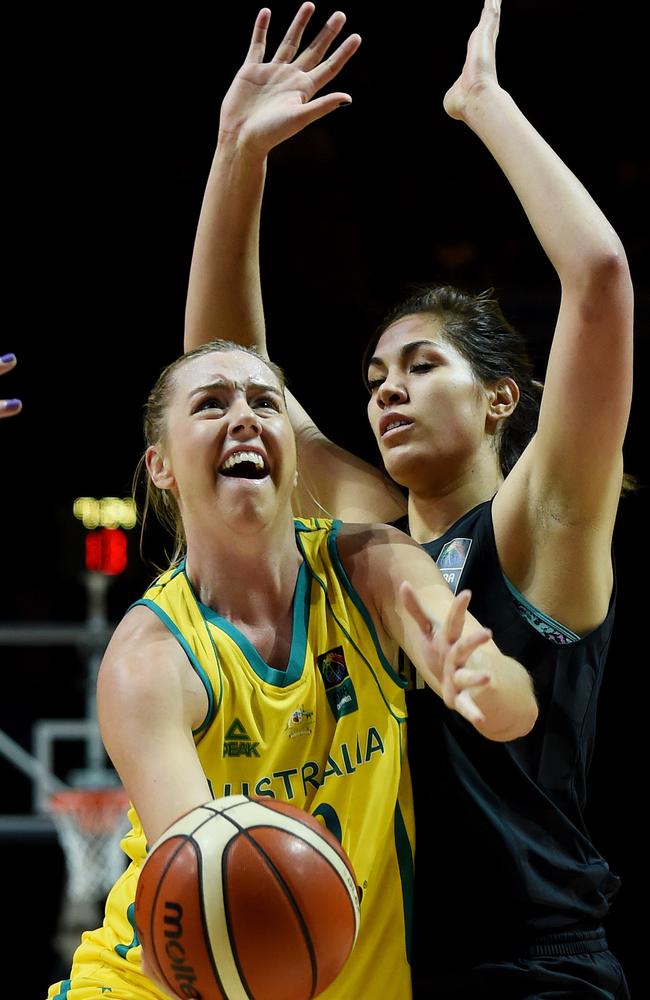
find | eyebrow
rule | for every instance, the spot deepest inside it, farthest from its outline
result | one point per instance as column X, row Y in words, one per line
column 405, row 350
column 224, row 383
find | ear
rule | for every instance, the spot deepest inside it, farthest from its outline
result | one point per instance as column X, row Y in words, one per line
column 159, row 472
column 502, row 401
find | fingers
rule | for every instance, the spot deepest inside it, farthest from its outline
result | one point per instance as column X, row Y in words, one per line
column 451, row 628
column 466, row 707
column 458, row 681
column 455, row 620
column 328, row 69
column 423, row 619
column 257, row 47
column 319, row 107
column 310, row 60
column 456, row 676
column 291, row 41
column 8, row 407
column 316, row 49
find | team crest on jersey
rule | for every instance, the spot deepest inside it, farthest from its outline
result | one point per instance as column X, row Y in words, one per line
column 452, row 559
column 237, row 742
column 300, row 723
column 338, row 684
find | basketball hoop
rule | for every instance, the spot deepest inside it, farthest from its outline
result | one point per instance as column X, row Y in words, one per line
column 90, row 823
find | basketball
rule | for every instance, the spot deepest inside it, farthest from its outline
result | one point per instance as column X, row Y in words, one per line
column 246, row 899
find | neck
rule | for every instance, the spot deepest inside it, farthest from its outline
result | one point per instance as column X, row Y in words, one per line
column 431, row 513
column 250, row 579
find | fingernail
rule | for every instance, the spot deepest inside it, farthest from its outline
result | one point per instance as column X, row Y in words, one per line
column 7, row 358
column 12, row 404
column 344, row 104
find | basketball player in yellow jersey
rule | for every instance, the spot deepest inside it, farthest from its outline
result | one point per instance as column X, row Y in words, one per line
column 264, row 663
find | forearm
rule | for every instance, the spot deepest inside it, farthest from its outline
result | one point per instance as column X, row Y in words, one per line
column 508, row 701
column 224, row 297
column 573, row 231
column 499, row 686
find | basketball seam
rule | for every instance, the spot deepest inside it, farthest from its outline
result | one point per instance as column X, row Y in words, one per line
column 184, row 838
column 244, row 831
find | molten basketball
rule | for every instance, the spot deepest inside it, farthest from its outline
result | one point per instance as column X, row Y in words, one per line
column 246, row 899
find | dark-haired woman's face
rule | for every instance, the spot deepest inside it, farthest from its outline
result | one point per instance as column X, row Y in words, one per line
column 426, row 410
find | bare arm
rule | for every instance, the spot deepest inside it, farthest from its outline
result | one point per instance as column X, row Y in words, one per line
column 455, row 655
column 148, row 701
column 570, row 476
column 267, row 103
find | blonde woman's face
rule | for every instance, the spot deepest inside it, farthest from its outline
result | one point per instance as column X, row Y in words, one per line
column 228, row 442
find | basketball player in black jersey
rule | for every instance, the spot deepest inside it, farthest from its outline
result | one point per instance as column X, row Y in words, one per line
column 515, row 498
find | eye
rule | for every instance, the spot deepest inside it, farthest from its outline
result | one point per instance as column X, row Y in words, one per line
column 373, row 383
column 209, row 403
column 421, row 366
column 267, row 402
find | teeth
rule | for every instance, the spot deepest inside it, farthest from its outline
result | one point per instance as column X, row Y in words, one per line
column 396, row 423
column 243, row 456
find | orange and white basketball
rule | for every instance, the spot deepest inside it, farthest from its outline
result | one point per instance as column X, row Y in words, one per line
column 246, row 899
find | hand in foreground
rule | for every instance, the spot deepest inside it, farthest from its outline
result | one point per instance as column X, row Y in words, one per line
column 8, row 407
column 447, row 651
column 480, row 62
column 268, row 102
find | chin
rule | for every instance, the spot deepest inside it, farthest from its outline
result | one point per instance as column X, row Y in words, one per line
column 402, row 468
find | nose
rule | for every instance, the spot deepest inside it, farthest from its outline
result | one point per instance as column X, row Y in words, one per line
column 391, row 392
column 244, row 421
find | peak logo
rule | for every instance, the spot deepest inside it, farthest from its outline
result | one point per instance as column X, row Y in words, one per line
column 237, row 742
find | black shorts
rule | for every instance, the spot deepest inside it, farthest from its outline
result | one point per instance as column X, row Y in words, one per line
column 562, row 966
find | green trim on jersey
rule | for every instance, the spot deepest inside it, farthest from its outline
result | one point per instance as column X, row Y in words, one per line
column 340, row 568
column 537, row 618
column 196, row 666
column 281, row 678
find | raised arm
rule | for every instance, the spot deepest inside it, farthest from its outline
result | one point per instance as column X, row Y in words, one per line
column 267, row 103
column 415, row 610
column 570, row 476
column 148, row 702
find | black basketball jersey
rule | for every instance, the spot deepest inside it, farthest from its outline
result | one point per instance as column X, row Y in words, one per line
column 502, row 851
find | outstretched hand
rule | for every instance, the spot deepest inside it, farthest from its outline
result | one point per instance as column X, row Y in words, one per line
column 480, row 62
column 269, row 102
column 8, row 407
column 447, row 651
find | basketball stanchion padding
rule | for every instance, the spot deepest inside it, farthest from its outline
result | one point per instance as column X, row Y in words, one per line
column 246, row 899
column 90, row 822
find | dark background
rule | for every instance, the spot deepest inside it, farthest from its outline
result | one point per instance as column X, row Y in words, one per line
column 111, row 120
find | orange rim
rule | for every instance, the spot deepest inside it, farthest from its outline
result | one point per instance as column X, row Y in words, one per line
column 92, row 809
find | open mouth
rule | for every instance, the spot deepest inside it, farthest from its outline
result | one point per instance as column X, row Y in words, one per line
column 395, row 425
column 244, row 465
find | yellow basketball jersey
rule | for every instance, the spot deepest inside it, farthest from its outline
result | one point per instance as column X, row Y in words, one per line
column 328, row 734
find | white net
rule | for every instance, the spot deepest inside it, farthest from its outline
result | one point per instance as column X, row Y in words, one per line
column 90, row 824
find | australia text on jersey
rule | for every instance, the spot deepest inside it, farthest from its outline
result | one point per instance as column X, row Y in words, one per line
column 292, row 781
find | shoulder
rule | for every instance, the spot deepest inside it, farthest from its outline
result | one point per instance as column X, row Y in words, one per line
column 140, row 625
column 356, row 537
column 382, row 554
column 141, row 653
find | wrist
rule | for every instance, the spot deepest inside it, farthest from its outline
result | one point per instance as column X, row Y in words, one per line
column 236, row 142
